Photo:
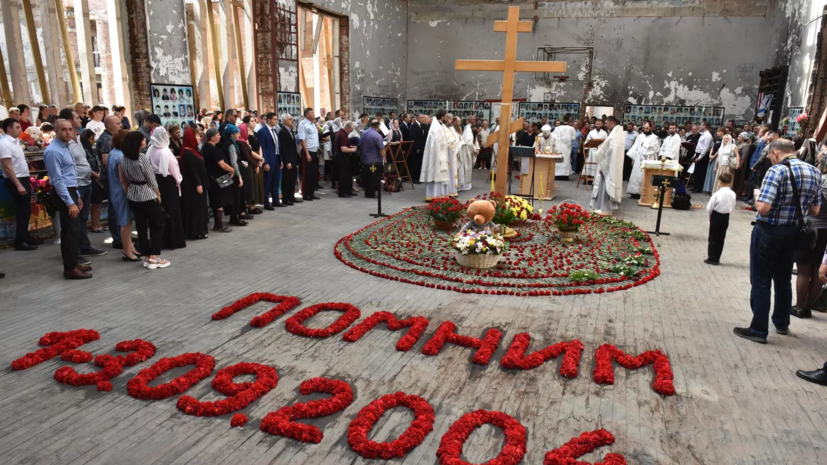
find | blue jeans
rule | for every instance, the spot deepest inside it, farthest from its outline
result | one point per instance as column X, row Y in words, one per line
column 752, row 187
column 574, row 159
column 85, row 195
column 770, row 263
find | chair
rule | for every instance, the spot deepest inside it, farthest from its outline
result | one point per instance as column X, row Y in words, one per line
column 401, row 161
column 593, row 144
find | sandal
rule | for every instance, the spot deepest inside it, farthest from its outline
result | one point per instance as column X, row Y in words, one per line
column 223, row 230
column 202, row 236
column 156, row 263
column 239, row 222
column 246, row 216
column 254, row 211
column 127, row 259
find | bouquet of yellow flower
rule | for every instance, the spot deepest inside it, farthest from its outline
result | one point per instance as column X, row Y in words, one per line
column 521, row 208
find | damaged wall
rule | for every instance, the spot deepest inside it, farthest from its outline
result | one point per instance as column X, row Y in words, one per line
column 645, row 60
column 167, row 33
column 378, row 47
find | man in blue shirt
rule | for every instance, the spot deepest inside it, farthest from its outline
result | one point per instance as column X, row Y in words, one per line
column 308, row 136
column 775, row 237
column 61, row 167
column 756, row 155
column 372, row 144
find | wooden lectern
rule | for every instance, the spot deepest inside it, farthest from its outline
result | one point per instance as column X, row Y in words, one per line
column 647, row 195
column 544, row 168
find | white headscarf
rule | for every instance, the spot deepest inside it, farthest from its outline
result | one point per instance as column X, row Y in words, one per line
column 546, row 131
column 159, row 152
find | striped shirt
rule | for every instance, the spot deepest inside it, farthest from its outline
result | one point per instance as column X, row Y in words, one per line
column 142, row 184
column 777, row 191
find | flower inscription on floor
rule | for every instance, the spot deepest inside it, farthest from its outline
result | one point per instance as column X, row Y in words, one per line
column 282, row 422
column 607, row 255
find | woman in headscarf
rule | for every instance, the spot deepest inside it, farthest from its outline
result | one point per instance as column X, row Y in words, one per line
column 230, row 147
column 174, row 132
column 194, row 189
column 218, row 168
column 727, row 160
column 248, row 164
column 168, row 176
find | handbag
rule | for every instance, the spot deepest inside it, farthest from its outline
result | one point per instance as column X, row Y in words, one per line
column 224, row 181
column 806, row 234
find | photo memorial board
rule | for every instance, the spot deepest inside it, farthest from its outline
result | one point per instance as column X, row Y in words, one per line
column 384, row 105
column 464, row 109
column 173, row 103
column 680, row 115
column 427, row 107
column 290, row 102
column 534, row 112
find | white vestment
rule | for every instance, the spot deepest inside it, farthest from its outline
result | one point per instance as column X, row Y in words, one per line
column 607, row 190
column 439, row 162
column 565, row 136
column 594, row 134
column 467, row 156
column 671, row 148
column 645, row 148
column 541, row 145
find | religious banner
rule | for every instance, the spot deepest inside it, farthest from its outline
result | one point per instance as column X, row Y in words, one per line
column 534, row 112
column 173, row 103
column 427, row 107
column 384, row 105
column 290, row 102
column 464, row 109
column 668, row 114
column 791, row 126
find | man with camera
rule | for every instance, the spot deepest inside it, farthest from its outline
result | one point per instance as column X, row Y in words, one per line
column 790, row 188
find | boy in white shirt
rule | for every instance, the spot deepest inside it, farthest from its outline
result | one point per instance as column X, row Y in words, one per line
column 720, row 206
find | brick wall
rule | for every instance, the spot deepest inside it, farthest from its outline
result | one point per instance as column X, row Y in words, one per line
column 139, row 52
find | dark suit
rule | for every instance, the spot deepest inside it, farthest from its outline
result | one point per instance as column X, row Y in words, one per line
column 289, row 155
column 270, row 151
column 419, row 135
column 406, row 131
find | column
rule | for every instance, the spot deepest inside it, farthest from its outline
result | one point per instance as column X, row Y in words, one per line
column 14, row 45
column 51, row 45
column 227, row 44
column 202, row 73
column 85, row 58
column 250, row 53
column 118, row 48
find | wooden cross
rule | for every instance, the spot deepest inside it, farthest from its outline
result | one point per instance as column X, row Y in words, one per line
column 509, row 66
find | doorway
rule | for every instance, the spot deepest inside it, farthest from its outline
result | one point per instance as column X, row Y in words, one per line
column 598, row 111
column 319, row 73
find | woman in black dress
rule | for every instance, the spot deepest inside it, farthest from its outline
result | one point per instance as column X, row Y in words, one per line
column 194, row 189
column 230, row 149
column 246, row 164
column 168, row 176
column 218, row 165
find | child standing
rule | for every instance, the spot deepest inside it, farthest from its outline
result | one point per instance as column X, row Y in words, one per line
column 718, row 209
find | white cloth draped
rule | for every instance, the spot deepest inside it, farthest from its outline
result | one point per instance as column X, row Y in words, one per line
column 607, row 190
column 645, row 148
column 466, row 155
column 439, row 161
column 565, row 136
column 161, row 158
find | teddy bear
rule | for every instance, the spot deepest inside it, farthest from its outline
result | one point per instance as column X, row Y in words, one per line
column 481, row 213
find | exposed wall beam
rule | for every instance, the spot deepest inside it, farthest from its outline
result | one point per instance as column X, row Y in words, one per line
column 240, row 53
column 14, row 45
column 216, row 54
column 67, row 51
column 249, row 50
column 5, row 91
column 117, row 47
column 51, row 45
column 36, row 56
column 87, row 62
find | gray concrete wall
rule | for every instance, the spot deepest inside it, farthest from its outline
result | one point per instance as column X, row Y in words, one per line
column 378, row 47
column 667, row 60
column 166, row 22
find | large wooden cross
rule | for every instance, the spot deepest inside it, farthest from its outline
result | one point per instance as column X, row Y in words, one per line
column 508, row 67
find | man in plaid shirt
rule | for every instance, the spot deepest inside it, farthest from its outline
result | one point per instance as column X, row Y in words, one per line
column 774, row 238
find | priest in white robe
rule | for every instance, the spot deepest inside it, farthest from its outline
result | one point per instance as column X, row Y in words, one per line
column 438, row 160
column 595, row 134
column 646, row 147
column 671, row 148
column 607, row 191
column 565, row 135
column 467, row 154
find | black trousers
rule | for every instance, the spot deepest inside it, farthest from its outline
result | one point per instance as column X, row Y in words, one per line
column 699, row 175
column 69, row 230
column 149, row 222
column 22, row 209
column 311, row 174
column 718, row 224
column 345, row 176
column 288, row 183
column 628, row 165
column 372, row 177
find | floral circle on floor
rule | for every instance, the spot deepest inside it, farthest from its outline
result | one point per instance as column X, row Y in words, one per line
column 607, row 255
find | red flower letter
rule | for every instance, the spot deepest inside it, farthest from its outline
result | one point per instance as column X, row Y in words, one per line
column 58, row 343
column 417, row 324
column 138, row 387
column 604, row 372
column 585, row 443
column 282, row 422
column 516, row 357
column 447, row 333
column 241, row 395
column 360, row 427
column 450, row 447
column 295, row 324
column 285, row 304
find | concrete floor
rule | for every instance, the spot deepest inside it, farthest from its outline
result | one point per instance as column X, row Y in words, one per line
column 737, row 402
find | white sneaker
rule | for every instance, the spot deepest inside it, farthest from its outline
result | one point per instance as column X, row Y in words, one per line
column 158, row 263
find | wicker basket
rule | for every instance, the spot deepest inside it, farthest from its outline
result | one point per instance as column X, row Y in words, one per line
column 567, row 234
column 477, row 261
column 443, row 225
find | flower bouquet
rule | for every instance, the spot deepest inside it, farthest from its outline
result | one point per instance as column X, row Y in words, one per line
column 802, row 119
column 521, row 208
column 41, row 189
column 567, row 217
column 481, row 249
column 445, row 211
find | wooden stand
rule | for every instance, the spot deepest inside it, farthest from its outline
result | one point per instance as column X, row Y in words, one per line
column 547, row 165
column 589, row 165
column 647, row 196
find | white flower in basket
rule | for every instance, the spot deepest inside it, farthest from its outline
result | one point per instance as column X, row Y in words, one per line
column 478, row 249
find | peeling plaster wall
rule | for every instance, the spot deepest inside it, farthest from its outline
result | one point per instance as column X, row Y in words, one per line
column 667, row 60
column 795, row 44
column 168, row 50
column 378, row 48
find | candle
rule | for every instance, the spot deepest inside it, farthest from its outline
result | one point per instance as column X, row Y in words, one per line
column 542, row 188
column 492, row 180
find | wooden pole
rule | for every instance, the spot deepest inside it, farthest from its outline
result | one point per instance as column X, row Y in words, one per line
column 67, row 51
column 240, row 48
column 193, row 64
column 328, row 52
column 502, row 150
column 216, row 55
column 37, row 57
column 5, row 90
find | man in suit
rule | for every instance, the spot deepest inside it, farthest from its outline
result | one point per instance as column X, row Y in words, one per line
column 405, row 127
column 289, row 159
column 419, row 134
column 269, row 140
